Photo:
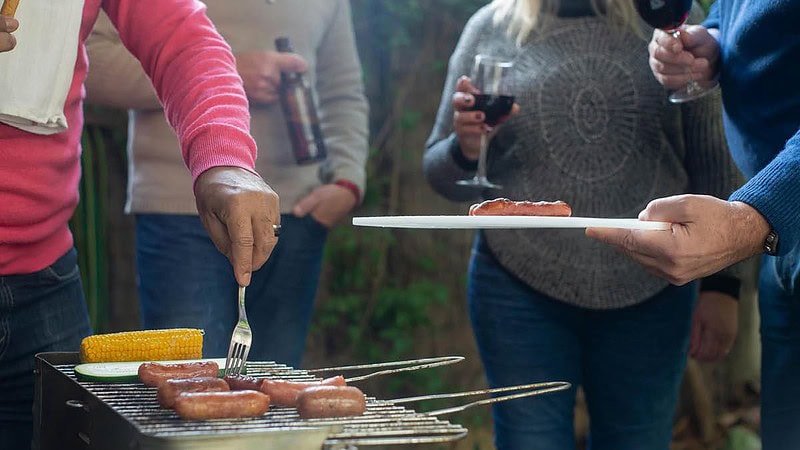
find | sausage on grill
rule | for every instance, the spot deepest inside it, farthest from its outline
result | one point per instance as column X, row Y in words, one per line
column 169, row 390
column 243, row 382
column 506, row 207
column 221, row 405
column 153, row 374
column 330, row 401
column 284, row 392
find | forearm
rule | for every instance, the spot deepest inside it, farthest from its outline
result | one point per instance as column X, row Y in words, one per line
column 774, row 191
column 443, row 167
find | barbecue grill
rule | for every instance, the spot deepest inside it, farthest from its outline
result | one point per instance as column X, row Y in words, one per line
column 70, row 413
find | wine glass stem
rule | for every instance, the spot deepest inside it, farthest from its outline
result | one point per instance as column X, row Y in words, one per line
column 481, row 173
column 691, row 85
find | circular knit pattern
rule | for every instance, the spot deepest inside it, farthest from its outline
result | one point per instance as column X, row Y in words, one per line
column 599, row 109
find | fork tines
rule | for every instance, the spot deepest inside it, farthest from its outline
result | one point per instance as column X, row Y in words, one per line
column 240, row 341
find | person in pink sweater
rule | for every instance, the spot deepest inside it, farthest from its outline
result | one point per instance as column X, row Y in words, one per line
column 194, row 73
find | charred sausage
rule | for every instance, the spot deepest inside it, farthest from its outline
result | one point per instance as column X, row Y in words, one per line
column 169, row 390
column 221, row 405
column 506, row 207
column 284, row 392
column 153, row 374
column 243, row 382
column 330, row 401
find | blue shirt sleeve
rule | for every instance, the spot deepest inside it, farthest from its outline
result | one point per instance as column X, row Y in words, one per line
column 712, row 20
column 775, row 193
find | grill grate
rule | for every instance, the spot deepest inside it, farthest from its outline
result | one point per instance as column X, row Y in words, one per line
column 383, row 423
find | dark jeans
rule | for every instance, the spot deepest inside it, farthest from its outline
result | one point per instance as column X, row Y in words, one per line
column 779, row 306
column 630, row 361
column 184, row 281
column 40, row 312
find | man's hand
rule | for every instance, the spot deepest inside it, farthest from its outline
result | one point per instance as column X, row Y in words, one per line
column 670, row 58
column 238, row 209
column 8, row 25
column 261, row 73
column 327, row 204
column 707, row 235
column 468, row 123
column 714, row 325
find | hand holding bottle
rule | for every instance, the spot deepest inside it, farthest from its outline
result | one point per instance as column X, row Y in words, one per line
column 261, row 73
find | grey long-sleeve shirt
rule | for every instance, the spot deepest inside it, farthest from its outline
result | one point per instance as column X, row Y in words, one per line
column 595, row 130
column 321, row 32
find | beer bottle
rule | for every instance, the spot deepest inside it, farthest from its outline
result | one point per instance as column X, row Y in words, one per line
column 300, row 112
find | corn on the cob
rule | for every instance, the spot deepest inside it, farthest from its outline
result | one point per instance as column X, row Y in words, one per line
column 147, row 345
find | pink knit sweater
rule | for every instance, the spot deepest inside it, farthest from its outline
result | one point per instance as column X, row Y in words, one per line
column 195, row 75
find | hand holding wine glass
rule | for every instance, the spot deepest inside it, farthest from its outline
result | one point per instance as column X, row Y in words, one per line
column 489, row 92
column 670, row 58
column 669, row 16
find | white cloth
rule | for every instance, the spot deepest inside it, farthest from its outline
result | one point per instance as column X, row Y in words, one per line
column 36, row 76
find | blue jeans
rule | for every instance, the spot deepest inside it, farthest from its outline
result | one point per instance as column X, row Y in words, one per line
column 779, row 306
column 39, row 312
column 630, row 361
column 184, row 281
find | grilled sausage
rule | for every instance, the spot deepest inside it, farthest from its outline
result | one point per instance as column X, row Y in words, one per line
column 330, row 401
column 506, row 207
column 284, row 393
column 153, row 374
column 169, row 390
column 221, row 405
column 244, row 382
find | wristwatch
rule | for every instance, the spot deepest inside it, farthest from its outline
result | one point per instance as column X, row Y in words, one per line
column 771, row 243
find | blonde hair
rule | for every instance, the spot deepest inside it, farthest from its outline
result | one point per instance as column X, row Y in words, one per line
column 526, row 16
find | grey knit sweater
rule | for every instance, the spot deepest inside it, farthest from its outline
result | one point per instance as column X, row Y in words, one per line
column 595, row 130
column 321, row 32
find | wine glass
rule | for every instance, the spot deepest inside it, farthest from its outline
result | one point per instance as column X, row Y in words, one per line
column 669, row 15
column 491, row 77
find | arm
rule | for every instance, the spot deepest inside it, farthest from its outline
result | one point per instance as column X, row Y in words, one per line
column 116, row 78
column 444, row 162
column 194, row 74
column 774, row 193
column 343, row 112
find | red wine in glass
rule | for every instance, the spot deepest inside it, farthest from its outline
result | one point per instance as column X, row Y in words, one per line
column 491, row 77
column 669, row 15
column 495, row 108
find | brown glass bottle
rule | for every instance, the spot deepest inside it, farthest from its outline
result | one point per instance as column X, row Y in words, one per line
column 300, row 111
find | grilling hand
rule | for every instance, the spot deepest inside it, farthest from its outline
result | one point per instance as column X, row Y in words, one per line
column 261, row 73
column 238, row 209
column 697, row 48
column 468, row 124
column 714, row 326
column 327, row 204
column 707, row 235
column 8, row 25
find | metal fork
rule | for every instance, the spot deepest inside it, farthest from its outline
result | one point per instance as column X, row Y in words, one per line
column 240, row 341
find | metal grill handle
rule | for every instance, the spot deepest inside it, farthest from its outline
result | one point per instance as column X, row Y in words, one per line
column 535, row 389
column 412, row 364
